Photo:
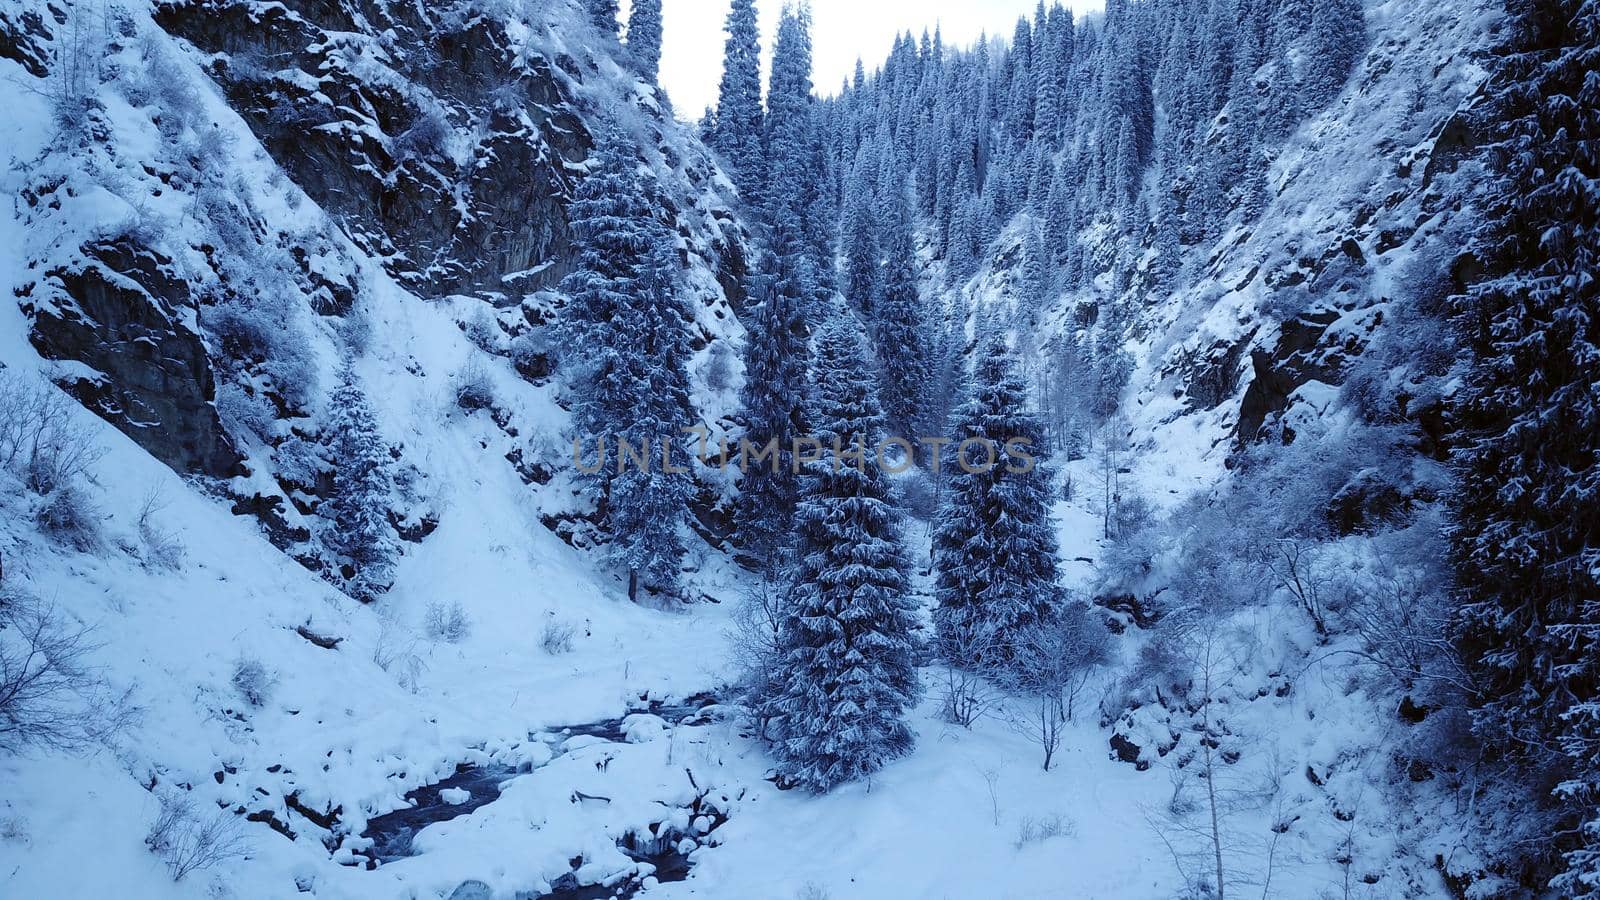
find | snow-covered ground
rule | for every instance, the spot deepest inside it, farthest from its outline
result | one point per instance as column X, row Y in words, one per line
column 970, row 813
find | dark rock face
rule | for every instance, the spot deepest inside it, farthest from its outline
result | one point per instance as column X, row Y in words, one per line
column 23, row 38
column 121, row 312
column 420, row 128
column 1308, row 349
column 1211, row 377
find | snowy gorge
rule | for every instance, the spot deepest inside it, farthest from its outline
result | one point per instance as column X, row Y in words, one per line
column 303, row 592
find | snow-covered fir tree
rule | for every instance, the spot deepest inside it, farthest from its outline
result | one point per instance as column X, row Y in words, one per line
column 798, row 209
column 901, row 329
column 846, row 676
column 649, row 505
column 359, row 531
column 858, row 237
column 737, row 132
column 603, row 13
column 623, row 334
column 644, row 37
column 1526, row 510
column 994, row 545
column 773, row 409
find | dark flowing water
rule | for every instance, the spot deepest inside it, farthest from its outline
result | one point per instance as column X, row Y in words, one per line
column 392, row 833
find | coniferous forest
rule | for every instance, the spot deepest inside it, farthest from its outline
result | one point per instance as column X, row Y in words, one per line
column 1150, row 450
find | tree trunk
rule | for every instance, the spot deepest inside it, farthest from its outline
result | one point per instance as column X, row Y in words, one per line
column 633, row 585
column 1211, row 775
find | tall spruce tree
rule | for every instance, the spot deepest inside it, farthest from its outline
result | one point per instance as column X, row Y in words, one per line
column 649, row 504
column 603, row 13
column 363, row 480
column 644, row 37
column 737, row 136
column 900, row 329
column 624, row 339
column 846, row 673
column 859, row 239
column 994, row 546
column 790, row 185
column 773, row 401
column 1527, row 508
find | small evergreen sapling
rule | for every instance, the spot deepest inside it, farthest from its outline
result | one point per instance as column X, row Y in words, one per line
column 363, row 483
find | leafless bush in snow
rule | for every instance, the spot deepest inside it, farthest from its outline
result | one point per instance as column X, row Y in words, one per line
column 556, row 638
column 188, row 840
column 77, row 67
column 1052, row 664
column 253, row 680
column 1038, row 830
column 1301, row 568
column 812, row 891
column 1402, row 619
column 40, row 441
column 754, row 646
column 448, row 623
column 474, row 390
column 396, row 653
column 966, row 695
column 50, row 696
column 161, row 547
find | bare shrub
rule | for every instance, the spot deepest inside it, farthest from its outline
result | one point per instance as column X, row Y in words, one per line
column 812, row 891
column 1052, row 663
column 71, row 518
column 428, row 135
column 1197, row 830
column 14, row 830
column 1302, row 568
column 556, row 638
column 448, row 623
column 78, row 68
column 161, row 547
column 253, row 680
column 474, row 390
column 757, row 621
column 396, row 653
column 965, row 695
column 530, row 354
column 484, row 333
column 188, row 840
column 49, row 695
column 1109, row 465
column 1132, row 515
column 1038, row 830
column 40, row 442
column 1403, row 621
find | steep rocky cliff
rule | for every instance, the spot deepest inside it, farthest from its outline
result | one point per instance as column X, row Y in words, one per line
column 218, row 189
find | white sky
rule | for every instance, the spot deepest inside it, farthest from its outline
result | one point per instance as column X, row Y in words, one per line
column 692, row 36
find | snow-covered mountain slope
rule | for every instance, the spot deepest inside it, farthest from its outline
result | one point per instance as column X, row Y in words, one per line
column 193, row 268
column 215, row 204
column 1294, row 381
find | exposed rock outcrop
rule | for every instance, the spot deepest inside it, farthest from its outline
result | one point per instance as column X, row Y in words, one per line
column 122, row 313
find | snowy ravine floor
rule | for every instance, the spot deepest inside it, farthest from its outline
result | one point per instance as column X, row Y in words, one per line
column 341, row 732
